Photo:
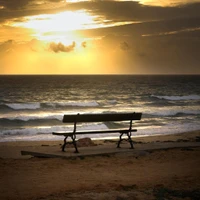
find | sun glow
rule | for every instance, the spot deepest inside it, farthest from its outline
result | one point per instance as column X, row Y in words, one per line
column 65, row 21
column 61, row 27
column 58, row 27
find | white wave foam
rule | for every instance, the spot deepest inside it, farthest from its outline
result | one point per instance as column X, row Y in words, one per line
column 178, row 98
column 34, row 106
column 23, row 106
column 170, row 128
column 39, row 116
column 46, row 130
column 75, row 103
column 174, row 112
column 112, row 101
column 83, row 104
column 44, row 133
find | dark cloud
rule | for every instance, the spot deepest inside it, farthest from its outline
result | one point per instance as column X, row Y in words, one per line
column 36, row 46
column 22, row 4
column 124, row 46
column 56, row 1
column 131, row 10
column 14, row 4
column 179, row 26
column 33, row 46
column 21, row 8
column 84, row 44
column 4, row 46
column 112, row 10
column 59, row 47
column 153, row 19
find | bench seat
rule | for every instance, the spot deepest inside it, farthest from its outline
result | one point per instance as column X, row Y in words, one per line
column 84, row 132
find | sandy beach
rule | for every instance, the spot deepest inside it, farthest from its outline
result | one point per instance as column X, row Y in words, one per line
column 171, row 173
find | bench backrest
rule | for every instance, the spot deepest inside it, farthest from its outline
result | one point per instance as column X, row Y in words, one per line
column 101, row 117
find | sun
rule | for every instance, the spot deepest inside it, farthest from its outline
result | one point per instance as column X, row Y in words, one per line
column 64, row 21
column 59, row 27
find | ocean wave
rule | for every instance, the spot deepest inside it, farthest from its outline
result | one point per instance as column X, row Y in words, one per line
column 73, row 103
column 171, row 113
column 23, row 106
column 32, row 117
column 29, row 131
column 38, row 105
column 47, row 130
column 112, row 101
column 44, row 133
column 178, row 98
column 32, row 122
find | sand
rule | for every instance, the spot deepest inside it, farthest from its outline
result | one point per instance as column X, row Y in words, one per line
column 173, row 173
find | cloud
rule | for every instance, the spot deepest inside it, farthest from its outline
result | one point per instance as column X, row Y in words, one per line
column 36, row 46
column 176, row 32
column 5, row 46
column 109, row 11
column 24, row 4
column 166, row 3
column 59, row 47
column 124, row 46
column 112, row 10
column 13, row 4
column 17, row 9
column 172, row 44
column 84, row 44
column 133, row 10
column 32, row 46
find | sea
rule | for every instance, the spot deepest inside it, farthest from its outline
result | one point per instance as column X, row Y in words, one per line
column 32, row 106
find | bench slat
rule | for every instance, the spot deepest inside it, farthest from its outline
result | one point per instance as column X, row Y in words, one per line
column 101, row 117
column 95, row 131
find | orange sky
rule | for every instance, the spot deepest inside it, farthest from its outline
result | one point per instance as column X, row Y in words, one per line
column 99, row 37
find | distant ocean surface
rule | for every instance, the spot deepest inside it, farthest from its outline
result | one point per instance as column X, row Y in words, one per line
column 31, row 107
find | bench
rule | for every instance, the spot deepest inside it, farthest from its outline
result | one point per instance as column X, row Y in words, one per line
column 92, row 118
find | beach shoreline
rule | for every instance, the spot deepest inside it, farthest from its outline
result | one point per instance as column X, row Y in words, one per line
column 170, row 173
column 12, row 149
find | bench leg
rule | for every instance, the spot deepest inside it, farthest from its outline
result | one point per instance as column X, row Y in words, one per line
column 73, row 138
column 65, row 143
column 120, row 139
column 129, row 139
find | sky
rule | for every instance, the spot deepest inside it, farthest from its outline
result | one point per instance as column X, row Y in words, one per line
column 99, row 37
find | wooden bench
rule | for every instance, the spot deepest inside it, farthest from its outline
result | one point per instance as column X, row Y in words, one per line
column 92, row 118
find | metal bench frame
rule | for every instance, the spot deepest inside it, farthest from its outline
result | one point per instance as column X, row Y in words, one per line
column 99, row 118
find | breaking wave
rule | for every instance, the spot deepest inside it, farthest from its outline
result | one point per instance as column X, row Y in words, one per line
column 37, row 105
column 178, row 98
column 23, row 106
